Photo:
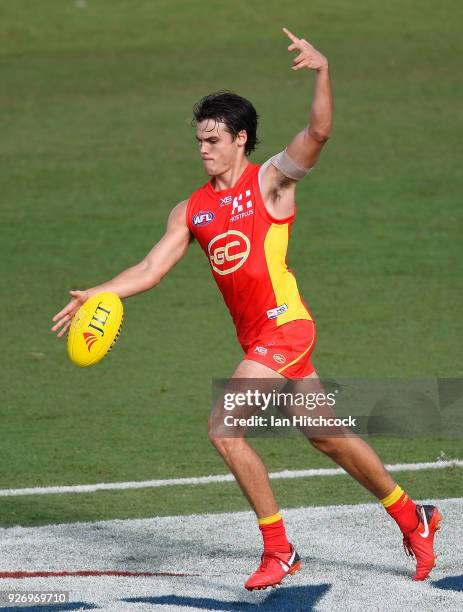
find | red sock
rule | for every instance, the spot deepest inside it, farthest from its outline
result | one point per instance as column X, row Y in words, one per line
column 403, row 511
column 274, row 534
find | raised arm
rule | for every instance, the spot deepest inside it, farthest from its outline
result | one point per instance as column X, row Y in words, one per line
column 280, row 174
column 306, row 146
column 140, row 277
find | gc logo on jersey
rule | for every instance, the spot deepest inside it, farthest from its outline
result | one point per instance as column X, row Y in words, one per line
column 228, row 251
column 203, row 217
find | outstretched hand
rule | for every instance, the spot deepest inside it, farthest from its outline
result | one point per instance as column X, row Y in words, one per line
column 64, row 317
column 308, row 56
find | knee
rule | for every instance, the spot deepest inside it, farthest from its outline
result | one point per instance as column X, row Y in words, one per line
column 224, row 446
column 328, row 446
column 215, row 440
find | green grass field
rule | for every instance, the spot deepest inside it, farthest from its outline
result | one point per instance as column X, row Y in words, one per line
column 97, row 146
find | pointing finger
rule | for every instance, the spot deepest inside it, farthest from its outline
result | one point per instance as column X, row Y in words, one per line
column 290, row 35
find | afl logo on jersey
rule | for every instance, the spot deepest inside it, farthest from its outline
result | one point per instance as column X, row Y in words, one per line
column 228, row 251
column 203, row 218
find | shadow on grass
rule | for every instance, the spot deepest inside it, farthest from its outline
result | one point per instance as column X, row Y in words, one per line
column 288, row 599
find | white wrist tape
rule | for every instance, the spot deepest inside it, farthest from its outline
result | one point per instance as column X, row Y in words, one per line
column 288, row 167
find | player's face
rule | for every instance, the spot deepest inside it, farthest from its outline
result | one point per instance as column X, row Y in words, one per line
column 217, row 147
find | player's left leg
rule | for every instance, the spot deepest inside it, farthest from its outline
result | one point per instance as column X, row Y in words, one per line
column 417, row 523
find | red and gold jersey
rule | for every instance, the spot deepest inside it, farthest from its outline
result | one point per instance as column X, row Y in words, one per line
column 246, row 248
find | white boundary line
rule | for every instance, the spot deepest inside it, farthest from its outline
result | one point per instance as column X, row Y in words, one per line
column 151, row 484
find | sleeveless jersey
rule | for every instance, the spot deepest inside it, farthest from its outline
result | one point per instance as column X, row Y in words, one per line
column 246, row 248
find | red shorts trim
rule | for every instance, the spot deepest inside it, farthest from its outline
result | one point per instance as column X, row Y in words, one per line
column 287, row 349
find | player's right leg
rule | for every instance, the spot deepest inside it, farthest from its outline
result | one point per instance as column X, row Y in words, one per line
column 279, row 558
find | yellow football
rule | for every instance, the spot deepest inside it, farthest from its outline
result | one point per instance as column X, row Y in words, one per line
column 95, row 328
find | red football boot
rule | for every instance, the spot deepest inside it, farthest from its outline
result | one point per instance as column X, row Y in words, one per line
column 419, row 543
column 273, row 568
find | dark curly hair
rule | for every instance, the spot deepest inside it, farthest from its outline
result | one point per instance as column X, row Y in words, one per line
column 236, row 112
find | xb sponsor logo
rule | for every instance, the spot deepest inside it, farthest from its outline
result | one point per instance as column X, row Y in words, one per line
column 226, row 200
column 279, row 358
column 228, row 251
column 203, row 218
column 261, row 350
